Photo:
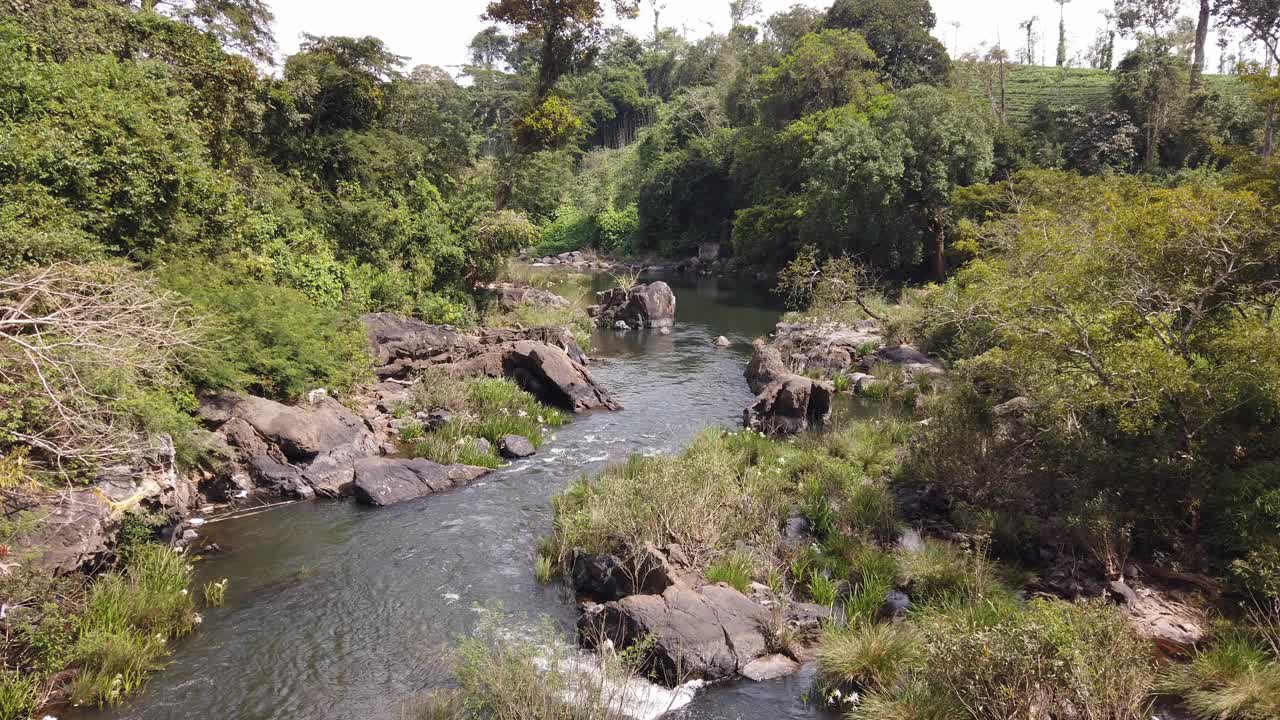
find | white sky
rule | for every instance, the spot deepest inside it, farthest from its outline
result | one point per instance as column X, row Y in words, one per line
column 436, row 32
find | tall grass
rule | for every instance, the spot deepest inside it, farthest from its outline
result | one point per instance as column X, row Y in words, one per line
column 488, row 408
column 735, row 569
column 126, row 620
column 1236, row 679
column 866, row 657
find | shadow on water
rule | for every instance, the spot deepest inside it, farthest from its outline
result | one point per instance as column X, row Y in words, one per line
column 337, row 611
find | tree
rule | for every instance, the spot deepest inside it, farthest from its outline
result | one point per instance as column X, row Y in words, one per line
column 489, row 47
column 1153, row 16
column 1202, row 35
column 340, row 83
column 1029, row 52
column 949, row 144
column 826, row 70
column 742, row 10
column 1102, row 52
column 1062, row 34
column 1150, row 84
column 563, row 27
column 784, row 29
column 242, row 25
column 899, row 32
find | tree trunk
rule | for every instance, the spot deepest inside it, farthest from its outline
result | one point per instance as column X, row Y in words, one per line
column 1004, row 109
column 1202, row 34
column 1268, row 141
column 938, row 262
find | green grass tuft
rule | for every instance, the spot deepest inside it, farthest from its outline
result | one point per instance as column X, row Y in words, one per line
column 735, row 569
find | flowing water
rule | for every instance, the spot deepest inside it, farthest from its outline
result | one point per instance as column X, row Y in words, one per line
column 341, row 612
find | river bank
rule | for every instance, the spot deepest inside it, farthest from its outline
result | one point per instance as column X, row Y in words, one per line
column 365, row 604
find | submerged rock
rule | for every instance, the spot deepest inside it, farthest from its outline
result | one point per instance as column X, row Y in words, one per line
column 709, row 633
column 770, row 667
column 386, row 481
column 722, row 342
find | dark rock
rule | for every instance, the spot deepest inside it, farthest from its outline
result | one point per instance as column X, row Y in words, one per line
column 642, row 306
column 514, row 447
column 546, row 372
column 385, row 481
column 433, row 420
column 790, row 405
column 403, row 344
column 709, row 633
column 600, row 577
column 895, row 606
column 556, row 336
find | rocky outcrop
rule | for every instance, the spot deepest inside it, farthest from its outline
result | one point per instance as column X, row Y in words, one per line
column 544, row 361
column 545, row 371
column 827, row 348
column 604, row 577
column 301, row 450
column 708, row 633
column 642, row 306
column 911, row 360
column 75, row 529
column 511, row 296
column 785, row 403
column 383, row 481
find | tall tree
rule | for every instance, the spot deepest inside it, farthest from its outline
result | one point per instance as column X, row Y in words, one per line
column 1261, row 20
column 1202, row 35
column 562, row 26
column 742, row 10
column 1062, row 33
column 241, row 25
column 1149, row 16
column 900, row 34
column 1029, row 52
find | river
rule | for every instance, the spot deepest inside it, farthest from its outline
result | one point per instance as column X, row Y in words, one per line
column 336, row 611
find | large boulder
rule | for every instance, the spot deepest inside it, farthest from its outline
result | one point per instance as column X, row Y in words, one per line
column 545, row 371
column 556, row 336
column 766, row 366
column 642, row 306
column 790, row 405
column 785, row 403
column 512, row 296
column 403, row 344
column 708, row 633
column 383, row 481
column 300, row 450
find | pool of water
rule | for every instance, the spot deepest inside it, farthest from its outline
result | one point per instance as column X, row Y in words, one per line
column 337, row 611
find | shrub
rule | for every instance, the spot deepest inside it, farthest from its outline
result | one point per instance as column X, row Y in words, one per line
column 866, row 656
column 268, row 340
column 19, row 695
column 618, row 229
column 1006, row 660
column 570, row 230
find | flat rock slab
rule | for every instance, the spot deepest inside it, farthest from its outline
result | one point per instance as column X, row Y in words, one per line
column 770, row 667
column 708, row 633
column 383, row 481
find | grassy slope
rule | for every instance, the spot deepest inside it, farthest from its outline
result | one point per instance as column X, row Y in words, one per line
column 1030, row 84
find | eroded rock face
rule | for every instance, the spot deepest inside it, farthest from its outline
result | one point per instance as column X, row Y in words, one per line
column 74, row 530
column 547, row 372
column 643, row 306
column 709, row 633
column 383, row 481
column 300, row 450
column 785, row 403
column 545, row 361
